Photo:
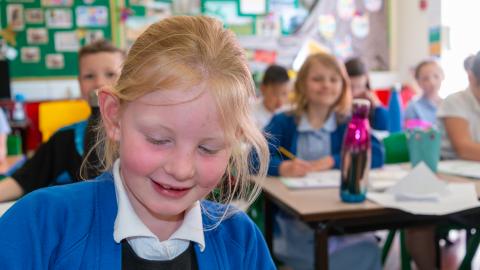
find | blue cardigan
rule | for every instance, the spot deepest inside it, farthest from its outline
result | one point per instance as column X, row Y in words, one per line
column 71, row 227
column 282, row 131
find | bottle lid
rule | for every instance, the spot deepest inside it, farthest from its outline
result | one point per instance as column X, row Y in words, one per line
column 361, row 107
column 19, row 98
column 361, row 102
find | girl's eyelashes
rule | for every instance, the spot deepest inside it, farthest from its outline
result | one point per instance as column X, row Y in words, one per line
column 208, row 150
column 158, row 141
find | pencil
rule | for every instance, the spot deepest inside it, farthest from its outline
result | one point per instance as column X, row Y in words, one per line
column 286, row 153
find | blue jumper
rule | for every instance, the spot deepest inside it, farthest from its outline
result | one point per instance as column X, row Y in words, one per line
column 71, row 227
column 282, row 131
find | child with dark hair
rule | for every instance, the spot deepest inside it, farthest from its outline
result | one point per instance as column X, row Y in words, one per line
column 275, row 88
column 360, row 84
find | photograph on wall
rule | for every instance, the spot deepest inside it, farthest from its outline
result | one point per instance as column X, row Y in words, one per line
column 253, row 7
column 58, row 18
column 226, row 11
column 159, row 10
column 30, row 54
column 96, row 16
column 15, row 16
column 34, row 15
column 57, row 3
column 93, row 35
column 55, row 61
column 66, row 41
column 37, row 36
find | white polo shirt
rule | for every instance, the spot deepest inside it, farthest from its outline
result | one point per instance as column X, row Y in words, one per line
column 146, row 244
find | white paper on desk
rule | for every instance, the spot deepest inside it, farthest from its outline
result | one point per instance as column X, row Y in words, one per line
column 5, row 206
column 386, row 177
column 460, row 167
column 324, row 179
column 420, row 184
column 461, row 196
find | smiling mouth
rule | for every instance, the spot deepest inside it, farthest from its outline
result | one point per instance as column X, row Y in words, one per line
column 169, row 191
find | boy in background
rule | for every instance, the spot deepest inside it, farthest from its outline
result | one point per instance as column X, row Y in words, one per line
column 58, row 160
column 275, row 88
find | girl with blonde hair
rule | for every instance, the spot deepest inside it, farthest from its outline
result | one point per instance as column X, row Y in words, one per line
column 313, row 132
column 173, row 129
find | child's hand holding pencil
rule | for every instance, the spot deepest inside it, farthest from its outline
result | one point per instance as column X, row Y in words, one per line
column 294, row 167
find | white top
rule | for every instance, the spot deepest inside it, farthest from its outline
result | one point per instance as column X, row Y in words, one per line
column 462, row 104
column 261, row 114
column 145, row 244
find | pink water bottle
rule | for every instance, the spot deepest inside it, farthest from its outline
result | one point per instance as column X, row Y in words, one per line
column 356, row 154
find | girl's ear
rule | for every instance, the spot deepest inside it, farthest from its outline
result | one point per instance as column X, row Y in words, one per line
column 110, row 109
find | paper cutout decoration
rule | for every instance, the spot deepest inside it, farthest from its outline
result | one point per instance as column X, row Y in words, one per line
column 373, row 5
column 9, row 35
column 346, row 9
column 81, row 32
column 327, row 25
column 265, row 56
column 125, row 13
column 343, row 48
column 360, row 25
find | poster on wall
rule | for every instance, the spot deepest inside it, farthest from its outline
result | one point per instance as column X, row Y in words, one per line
column 34, row 15
column 15, row 16
column 55, row 61
column 37, row 36
column 226, row 11
column 66, row 41
column 58, row 18
column 57, row 3
column 253, row 7
column 96, row 16
column 30, row 54
column 373, row 5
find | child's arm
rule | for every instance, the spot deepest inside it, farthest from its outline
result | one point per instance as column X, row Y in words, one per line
column 465, row 147
column 3, row 147
column 10, row 190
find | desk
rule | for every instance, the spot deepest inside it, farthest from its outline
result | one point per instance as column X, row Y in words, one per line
column 324, row 212
column 9, row 163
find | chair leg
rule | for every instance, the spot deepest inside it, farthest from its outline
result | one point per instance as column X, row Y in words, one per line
column 387, row 245
column 405, row 257
column 472, row 246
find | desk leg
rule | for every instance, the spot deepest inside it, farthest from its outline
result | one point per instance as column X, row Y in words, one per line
column 269, row 223
column 321, row 247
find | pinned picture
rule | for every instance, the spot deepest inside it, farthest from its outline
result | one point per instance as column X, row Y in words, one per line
column 94, row 35
column 15, row 16
column 55, row 61
column 59, row 18
column 327, row 26
column 37, row 36
column 30, row 54
column 57, row 3
column 346, row 9
column 95, row 16
column 360, row 25
column 66, row 41
column 34, row 15
column 373, row 5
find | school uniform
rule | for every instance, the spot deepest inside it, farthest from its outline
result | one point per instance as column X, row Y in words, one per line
column 421, row 109
column 78, row 226
column 293, row 239
column 463, row 105
column 283, row 131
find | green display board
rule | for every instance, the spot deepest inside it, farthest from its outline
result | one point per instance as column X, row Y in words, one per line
column 48, row 33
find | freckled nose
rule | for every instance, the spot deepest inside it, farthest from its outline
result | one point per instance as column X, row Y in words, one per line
column 181, row 166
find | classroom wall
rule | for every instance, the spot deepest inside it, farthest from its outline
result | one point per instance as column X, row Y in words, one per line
column 409, row 29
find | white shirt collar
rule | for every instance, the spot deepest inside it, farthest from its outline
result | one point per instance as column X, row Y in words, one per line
column 129, row 226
